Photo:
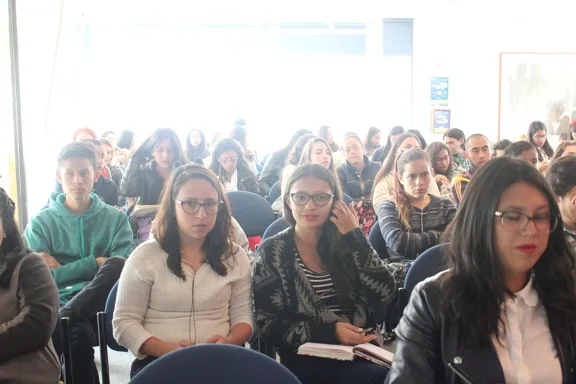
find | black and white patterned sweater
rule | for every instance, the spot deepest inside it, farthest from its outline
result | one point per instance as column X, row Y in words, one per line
column 288, row 313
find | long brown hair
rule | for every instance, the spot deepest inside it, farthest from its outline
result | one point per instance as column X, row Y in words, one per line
column 561, row 148
column 307, row 154
column 217, row 245
column 331, row 249
column 400, row 197
column 388, row 164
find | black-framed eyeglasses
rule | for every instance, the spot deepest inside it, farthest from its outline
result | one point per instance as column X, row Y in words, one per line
column 518, row 221
column 320, row 199
column 211, row 207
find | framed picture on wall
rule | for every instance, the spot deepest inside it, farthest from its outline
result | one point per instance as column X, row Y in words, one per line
column 537, row 86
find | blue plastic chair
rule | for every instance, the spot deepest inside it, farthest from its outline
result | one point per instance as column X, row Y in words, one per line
column 105, row 336
column 252, row 212
column 429, row 263
column 276, row 227
column 274, row 193
column 203, row 364
column 377, row 241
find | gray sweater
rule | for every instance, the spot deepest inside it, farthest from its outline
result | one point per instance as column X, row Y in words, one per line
column 427, row 226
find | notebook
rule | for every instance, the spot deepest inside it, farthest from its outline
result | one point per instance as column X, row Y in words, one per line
column 369, row 352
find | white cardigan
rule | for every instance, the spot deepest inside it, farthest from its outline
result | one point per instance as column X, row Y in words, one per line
column 153, row 302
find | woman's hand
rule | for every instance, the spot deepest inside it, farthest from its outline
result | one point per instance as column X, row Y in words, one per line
column 344, row 217
column 216, row 339
column 348, row 334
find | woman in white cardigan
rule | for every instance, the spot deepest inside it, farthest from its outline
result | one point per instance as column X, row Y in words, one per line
column 384, row 180
column 190, row 284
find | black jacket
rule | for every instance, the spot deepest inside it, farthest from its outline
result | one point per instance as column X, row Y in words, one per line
column 142, row 180
column 246, row 180
column 355, row 184
column 428, row 345
column 271, row 172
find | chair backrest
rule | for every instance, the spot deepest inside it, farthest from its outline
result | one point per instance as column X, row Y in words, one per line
column 347, row 199
column 202, row 364
column 109, row 314
column 377, row 241
column 276, row 227
column 428, row 264
column 274, row 193
column 252, row 212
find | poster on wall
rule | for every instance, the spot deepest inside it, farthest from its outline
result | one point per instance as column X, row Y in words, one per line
column 440, row 120
column 537, row 86
column 439, row 90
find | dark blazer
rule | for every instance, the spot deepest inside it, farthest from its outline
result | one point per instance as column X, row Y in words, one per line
column 428, row 350
column 356, row 184
column 271, row 172
column 142, row 180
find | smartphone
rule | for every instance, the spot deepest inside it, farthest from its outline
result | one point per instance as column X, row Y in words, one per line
column 368, row 330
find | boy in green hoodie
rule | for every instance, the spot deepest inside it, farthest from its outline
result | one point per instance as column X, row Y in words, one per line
column 85, row 243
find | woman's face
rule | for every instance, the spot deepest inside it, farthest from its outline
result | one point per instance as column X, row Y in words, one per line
column 539, row 138
column 196, row 225
column 321, row 154
column 567, row 204
column 164, row 154
column 353, row 150
column 442, row 161
column 108, row 153
column 415, row 178
column 228, row 160
column 375, row 141
column 195, row 138
column 520, row 242
column 570, row 150
column 530, row 156
column 311, row 214
column 408, row 143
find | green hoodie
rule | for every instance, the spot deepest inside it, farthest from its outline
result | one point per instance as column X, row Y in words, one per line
column 76, row 241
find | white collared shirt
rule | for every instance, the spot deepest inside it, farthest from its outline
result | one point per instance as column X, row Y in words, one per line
column 526, row 350
column 232, row 186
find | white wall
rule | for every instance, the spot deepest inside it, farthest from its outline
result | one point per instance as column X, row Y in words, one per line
column 463, row 40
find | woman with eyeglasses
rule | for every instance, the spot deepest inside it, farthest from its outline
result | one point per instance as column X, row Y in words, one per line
column 538, row 136
column 231, row 167
column 189, row 285
column 320, row 281
column 504, row 310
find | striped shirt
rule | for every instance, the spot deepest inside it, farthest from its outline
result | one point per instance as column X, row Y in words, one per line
column 323, row 286
column 426, row 227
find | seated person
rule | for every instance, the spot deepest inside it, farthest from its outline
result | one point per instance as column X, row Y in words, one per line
column 85, row 243
column 504, row 310
column 479, row 153
column 320, row 281
column 384, row 183
column 413, row 220
column 190, row 284
column 562, row 179
column 523, row 150
column 105, row 188
column 29, row 302
column 442, row 165
column 231, row 167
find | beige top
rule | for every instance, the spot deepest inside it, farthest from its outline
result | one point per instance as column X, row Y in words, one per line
column 153, row 302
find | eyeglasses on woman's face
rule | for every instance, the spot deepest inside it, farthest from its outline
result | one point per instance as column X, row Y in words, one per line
column 211, row 207
column 320, row 199
column 518, row 221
